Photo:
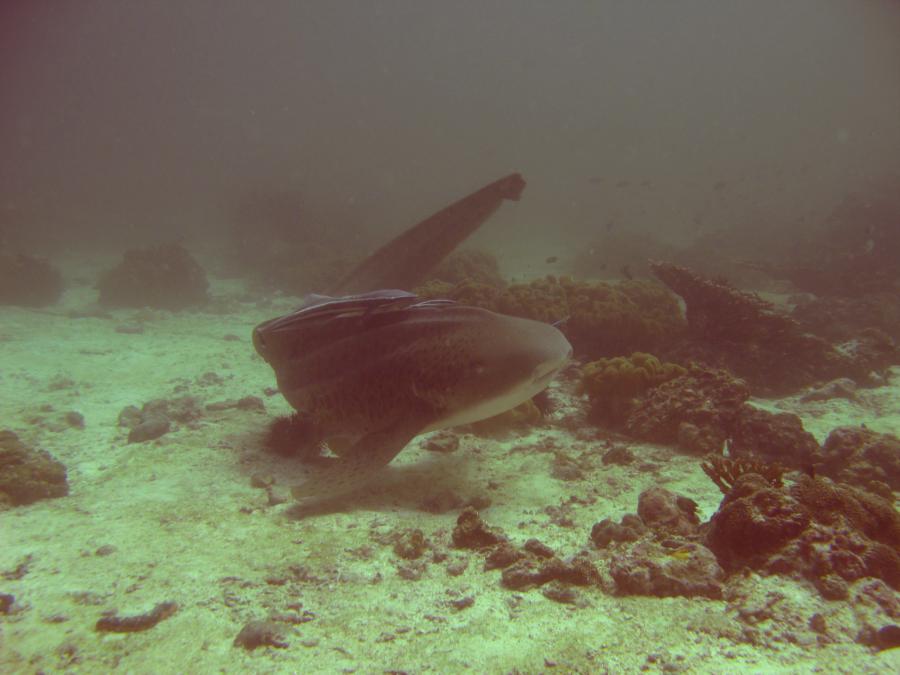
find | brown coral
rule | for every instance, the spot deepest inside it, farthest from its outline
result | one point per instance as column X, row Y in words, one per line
column 706, row 400
column 28, row 475
column 614, row 384
column 829, row 533
column 724, row 471
column 861, row 456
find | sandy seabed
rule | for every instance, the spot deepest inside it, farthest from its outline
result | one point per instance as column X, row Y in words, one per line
column 178, row 520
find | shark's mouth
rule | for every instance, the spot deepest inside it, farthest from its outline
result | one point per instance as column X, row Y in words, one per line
column 523, row 391
column 547, row 371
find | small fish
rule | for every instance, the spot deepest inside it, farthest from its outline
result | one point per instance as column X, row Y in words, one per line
column 551, row 259
column 626, row 272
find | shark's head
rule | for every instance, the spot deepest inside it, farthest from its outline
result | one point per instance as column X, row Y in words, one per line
column 501, row 361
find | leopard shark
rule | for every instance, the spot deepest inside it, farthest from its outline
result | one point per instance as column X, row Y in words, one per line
column 369, row 371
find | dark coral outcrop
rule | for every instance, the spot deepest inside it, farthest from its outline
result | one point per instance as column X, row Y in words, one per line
column 26, row 281
column 772, row 437
column 162, row 277
column 751, row 337
column 27, row 474
column 840, row 319
column 666, row 569
column 860, row 456
column 828, row 533
column 697, row 411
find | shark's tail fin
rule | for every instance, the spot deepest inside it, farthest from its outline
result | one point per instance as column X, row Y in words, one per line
column 406, row 260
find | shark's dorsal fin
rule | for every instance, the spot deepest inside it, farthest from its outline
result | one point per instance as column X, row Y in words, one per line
column 407, row 259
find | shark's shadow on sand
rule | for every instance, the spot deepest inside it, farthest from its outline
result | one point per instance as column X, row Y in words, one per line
column 372, row 370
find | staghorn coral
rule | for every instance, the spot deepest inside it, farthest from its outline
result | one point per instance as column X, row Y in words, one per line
column 614, row 384
column 724, row 471
column 749, row 336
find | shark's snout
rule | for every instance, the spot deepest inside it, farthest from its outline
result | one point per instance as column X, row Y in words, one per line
column 545, row 371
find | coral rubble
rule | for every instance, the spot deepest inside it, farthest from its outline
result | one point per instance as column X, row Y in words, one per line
column 657, row 551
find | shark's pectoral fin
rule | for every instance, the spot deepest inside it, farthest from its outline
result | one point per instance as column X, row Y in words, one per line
column 357, row 466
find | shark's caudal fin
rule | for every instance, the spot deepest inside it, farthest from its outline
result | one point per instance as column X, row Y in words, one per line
column 406, row 260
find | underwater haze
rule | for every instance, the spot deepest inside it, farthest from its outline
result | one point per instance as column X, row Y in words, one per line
column 494, row 337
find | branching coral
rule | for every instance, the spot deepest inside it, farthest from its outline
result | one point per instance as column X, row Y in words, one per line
column 749, row 336
column 724, row 471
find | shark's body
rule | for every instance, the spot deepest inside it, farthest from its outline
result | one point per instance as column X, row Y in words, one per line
column 372, row 371
column 375, row 370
